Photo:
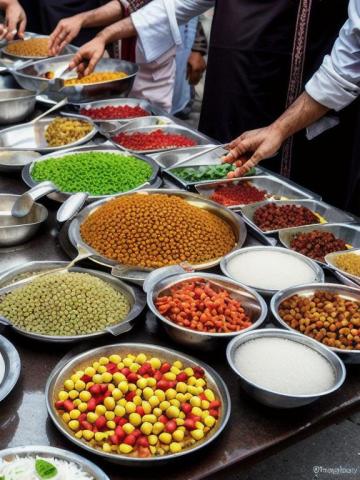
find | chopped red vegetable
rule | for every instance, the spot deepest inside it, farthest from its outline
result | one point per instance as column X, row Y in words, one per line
column 156, row 140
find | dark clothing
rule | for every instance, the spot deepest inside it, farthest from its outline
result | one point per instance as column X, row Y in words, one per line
column 44, row 15
column 247, row 84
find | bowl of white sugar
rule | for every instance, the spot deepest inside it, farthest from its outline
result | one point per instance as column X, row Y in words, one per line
column 270, row 269
column 283, row 369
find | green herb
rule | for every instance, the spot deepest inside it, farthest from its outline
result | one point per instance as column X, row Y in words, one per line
column 45, row 469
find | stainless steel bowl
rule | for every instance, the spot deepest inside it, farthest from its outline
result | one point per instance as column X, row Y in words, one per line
column 16, row 105
column 351, row 293
column 30, row 77
column 12, row 368
column 31, row 136
column 62, row 196
column 67, row 367
column 14, row 231
column 318, row 272
column 270, row 397
column 254, row 305
column 133, row 294
column 14, row 161
column 330, row 260
column 51, row 452
column 235, row 222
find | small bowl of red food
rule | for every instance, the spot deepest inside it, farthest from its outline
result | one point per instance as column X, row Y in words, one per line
column 202, row 310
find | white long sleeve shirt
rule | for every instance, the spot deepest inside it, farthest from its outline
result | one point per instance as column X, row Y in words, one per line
column 157, row 24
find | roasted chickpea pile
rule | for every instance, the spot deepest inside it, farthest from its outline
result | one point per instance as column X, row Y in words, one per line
column 156, row 230
column 138, row 405
column 62, row 131
column 326, row 317
column 274, row 217
column 96, row 77
column 33, row 47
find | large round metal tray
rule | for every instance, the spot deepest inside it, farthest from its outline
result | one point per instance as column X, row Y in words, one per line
column 235, row 221
column 12, row 367
column 349, row 356
column 67, row 367
column 59, row 454
column 69, row 49
column 62, row 196
column 134, row 295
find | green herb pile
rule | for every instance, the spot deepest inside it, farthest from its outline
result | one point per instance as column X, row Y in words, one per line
column 205, row 172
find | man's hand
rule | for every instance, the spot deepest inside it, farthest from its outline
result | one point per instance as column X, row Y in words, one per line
column 196, row 66
column 15, row 20
column 66, row 30
column 88, row 56
column 256, row 144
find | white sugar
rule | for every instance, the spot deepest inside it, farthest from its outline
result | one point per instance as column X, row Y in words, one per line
column 270, row 270
column 284, row 366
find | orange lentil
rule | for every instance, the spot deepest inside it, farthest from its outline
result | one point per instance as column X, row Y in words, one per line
column 155, row 230
column 96, row 77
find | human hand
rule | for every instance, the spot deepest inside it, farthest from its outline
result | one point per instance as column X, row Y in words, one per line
column 66, row 30
column 256, row 144
column 196, row 66
column 15, row 21
column 88, row 56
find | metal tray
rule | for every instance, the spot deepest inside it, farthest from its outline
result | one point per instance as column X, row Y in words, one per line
column 178, row 129
column 12, row 368
column 67, row 367
column 29, row 77
column 52, row 452
column 134, row 295
column 330, row 213
column 31, row 136
column 168, row 160
column 62, row 196
column 348, row 356
column 68, row 50
column 109, row 127
column 276, row 189
column 14, row 161
column 349, row 233
column 330, row 257
column 139, row 275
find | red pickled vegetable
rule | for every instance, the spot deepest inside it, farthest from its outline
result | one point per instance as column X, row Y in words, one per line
column 156, row 140
column 112, row 112
column 240, row 194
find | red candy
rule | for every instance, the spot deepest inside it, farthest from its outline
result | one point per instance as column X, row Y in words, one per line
column 113, row 112
column 156, row 140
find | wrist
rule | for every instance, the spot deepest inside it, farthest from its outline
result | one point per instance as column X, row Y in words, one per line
column 104, row 36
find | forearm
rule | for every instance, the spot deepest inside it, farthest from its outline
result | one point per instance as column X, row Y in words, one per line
column 302, row 113
column 117, row 31
column 102, row 16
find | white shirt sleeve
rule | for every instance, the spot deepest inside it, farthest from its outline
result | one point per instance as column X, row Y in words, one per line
column 157, row 24
column 336, row 83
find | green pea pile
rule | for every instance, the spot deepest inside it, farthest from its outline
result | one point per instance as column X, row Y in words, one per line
column 65, row 304
column 97, row 173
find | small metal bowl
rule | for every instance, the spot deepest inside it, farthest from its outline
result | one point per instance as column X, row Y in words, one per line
column 14, row 161
column 16, row 105
column 158, row 283
column 12, row 368
column 67, row 367
column 330, row 259
column 349, row 356
column 51, row 452
column 318, row 272
column 14, row 231
column 133, row 294
column 280, row 400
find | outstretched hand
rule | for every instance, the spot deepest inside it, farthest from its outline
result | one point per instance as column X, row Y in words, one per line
column 88, row 56
column 15, row 21
column 66, row 30
column 246, row 151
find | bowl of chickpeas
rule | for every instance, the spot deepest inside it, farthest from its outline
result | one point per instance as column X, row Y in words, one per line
column 328, row 313
column 32, row 48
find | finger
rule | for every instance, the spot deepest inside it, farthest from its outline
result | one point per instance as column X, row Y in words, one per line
column 92, row 63
column 11, row 34
column 56, row 38
column 251, row 163
column 22, row 27
column 63, row 44
column 76, row 61
column 238, row 151
column 3, row 31
column 81, row 69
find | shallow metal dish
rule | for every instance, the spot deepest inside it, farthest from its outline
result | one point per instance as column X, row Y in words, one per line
column 170, row 159
column 318, row 272
column 349, row 233
column 14, row 231
column 349, row 356
column 134, row 295
column 139, row 276
column 331, row 214
column 330, row 260
column 29, row 76
column 68, row 49
column 174, row 129
column 275, row 188
column 67, row 367
column 62, row 196
column 14, row 161
column 31, row 136
column 16, row 105
column 270, row 397
column 108, row 127
column 48, row 452
column 12, row 368
column 159, row 285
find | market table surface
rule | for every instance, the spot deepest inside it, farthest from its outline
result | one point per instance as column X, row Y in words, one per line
column 252, row 428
